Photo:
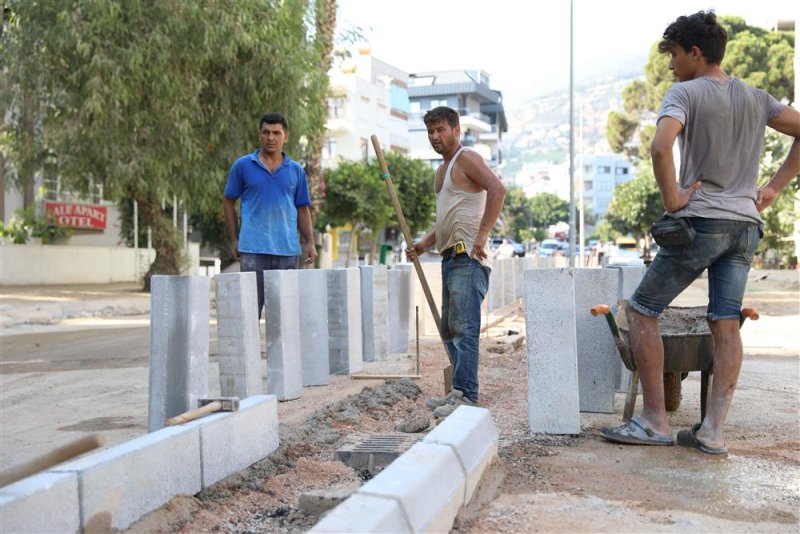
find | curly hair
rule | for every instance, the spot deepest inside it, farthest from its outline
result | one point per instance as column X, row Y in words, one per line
column 701, row 30
column 442, row 113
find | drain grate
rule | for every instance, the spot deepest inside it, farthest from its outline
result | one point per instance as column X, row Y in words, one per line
column 373, row 453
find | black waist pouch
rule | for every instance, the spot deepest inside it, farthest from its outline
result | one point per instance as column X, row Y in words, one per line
column 672, row 232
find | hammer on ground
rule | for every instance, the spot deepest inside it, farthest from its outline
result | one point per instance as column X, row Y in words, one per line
column 205, row 407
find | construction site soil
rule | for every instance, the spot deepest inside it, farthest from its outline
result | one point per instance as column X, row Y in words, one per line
column 543, row 483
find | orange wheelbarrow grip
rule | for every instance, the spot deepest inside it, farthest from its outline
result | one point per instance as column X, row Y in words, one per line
column 602, row 309
column 750, row 313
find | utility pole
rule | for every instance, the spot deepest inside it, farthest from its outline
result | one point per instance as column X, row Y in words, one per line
column 571, row 140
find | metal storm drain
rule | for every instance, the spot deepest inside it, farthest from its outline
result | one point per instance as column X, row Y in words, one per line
column 373, row 453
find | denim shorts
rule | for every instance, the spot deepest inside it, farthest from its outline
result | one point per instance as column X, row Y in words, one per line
column 724, row 247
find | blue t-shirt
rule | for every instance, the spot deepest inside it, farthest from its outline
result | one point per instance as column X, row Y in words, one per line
column 269, row 204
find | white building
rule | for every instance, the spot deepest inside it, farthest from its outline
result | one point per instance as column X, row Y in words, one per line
column 602, row 174
column 368, row 97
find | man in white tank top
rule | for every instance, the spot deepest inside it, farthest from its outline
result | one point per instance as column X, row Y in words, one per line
column 719, row 122
column 469, row 197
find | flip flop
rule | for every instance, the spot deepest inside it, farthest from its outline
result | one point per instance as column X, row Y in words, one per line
column 636, row 432
column 688, row 438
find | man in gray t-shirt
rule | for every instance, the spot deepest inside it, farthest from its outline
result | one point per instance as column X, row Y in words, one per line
column 719, row 123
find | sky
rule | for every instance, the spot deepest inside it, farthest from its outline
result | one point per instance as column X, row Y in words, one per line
column 525, row 44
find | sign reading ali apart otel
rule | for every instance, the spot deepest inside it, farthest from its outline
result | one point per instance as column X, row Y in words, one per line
column 82, row 216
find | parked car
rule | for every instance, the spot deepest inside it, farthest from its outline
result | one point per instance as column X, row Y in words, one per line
column 549, row 247
column 495, row 242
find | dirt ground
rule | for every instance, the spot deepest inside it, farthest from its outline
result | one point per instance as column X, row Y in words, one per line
column 538, row 483
column 543, row 483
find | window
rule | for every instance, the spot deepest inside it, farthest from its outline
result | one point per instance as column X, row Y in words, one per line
column 437, row 103
column 336, row 107
column 329, row 148
column 52, row 190
column 415, row 108
column 622, row 170
column 587, row 169
column 603, row 169
column 364, row 149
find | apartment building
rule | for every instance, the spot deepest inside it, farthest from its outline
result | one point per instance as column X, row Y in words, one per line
column 482, row 117
column 367, row 96
column 601, row 174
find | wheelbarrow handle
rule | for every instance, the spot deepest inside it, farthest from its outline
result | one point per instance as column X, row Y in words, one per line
column 624, row 351
column 748, row 313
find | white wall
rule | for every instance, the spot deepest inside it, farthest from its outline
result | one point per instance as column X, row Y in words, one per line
column 57, row 264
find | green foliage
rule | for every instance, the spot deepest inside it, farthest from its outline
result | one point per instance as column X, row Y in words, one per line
column 636, row 204
column 547, row 209
column 25, row 225
column 517, row 215
column 356, row 194
column 779, row 218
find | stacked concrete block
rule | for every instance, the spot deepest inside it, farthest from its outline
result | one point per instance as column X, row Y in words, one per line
column 179, row 317
column 314, row 347
column 531, row 261
column 118, row 486
column 597, row 353
column 629, row 278
column 507, row 267
column 519, row 269
column 47, row 502
column 238, row 337
column 496, row 291
column 233, row 441
column 400, row 312
column 553, row 402
column 374, row 312
column 344, row 321
column 281, row 300
column 433, row 275
column 472, row 435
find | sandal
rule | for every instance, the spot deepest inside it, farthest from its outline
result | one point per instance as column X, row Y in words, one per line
column 636, row 432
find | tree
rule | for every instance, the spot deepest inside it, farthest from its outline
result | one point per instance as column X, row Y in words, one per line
column 780, row 217
column 636, row 204
column 757, row 56
column 547, row 209
column 517, row 214
column 152, row 100
column 356, row 194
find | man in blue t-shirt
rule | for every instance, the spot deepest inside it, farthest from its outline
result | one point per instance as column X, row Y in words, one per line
column 719, row 122
column 275, row 203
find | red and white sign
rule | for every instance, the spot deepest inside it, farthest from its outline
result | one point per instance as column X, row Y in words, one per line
column 82, row 216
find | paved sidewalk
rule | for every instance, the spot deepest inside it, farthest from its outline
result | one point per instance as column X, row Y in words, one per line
column 46, row 305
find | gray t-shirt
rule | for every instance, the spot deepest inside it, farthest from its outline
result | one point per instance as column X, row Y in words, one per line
column 720, row 144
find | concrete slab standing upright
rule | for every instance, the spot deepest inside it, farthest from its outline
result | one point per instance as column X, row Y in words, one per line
column 433, row 275
column 507, row 267
column 597, row 354
column 399, row 282
column 314, row 346
column 344, row 321
column 179, row 317
column 553, row 403
column 519, row 276
column 496, row 291
column 238, row 337
column 374, row 311
column 281, row 304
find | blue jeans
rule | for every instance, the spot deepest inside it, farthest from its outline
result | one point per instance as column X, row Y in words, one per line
column 464, row 285
column 258, row 263
column 724, row 247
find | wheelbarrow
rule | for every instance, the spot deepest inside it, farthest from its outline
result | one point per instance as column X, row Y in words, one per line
column 691, row 349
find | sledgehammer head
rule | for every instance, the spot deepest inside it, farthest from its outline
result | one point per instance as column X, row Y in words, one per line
column 227, row 404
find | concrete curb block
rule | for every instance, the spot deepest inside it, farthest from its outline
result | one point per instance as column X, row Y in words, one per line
column 113, row 488
column 47, row 502
column 472, row 435
column 429, row 483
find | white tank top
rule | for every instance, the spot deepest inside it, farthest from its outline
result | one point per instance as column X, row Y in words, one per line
column 458, row 212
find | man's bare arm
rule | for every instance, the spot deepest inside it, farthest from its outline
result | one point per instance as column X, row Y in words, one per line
column 231, row 222
column 417, row 248
column 476, row 170
column 307, row 234
column 787, row 122
column 673, row 196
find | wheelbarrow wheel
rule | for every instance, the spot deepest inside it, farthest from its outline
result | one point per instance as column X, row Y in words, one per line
column 672, row 391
